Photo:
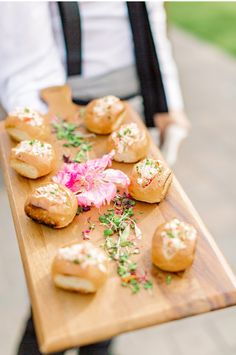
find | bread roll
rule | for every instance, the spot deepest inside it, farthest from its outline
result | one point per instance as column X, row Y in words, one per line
column 173, row 245
column 104, row 115
column 52, row 204
column 130, row 143
column 25, row 124
column 150, row 180
column 80, row 267
column 33, row 158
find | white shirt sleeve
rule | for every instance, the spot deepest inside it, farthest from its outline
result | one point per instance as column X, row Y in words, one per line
column 29, row 58
column 157, row 18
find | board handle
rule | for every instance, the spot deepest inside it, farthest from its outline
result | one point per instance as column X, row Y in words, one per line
column 59, row 101
column 52, row 94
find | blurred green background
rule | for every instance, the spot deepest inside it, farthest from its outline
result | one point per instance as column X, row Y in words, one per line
column 214, row 22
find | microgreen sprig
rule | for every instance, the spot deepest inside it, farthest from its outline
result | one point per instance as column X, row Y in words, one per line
column 168, row 279
column 68, row 132
column 121, row 235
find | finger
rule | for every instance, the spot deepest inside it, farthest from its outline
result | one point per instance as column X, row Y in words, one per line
column 155, row 134
column 174, row 135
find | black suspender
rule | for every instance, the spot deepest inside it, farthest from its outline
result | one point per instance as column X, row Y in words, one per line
column 70, row 18
column 147, row 64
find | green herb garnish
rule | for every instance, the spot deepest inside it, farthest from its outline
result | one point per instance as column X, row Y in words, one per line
column 79, row 210
column 168, row 279
column 135, row 286
column 120, row 242
column 68, row 132
column 170, row 234
column 148, row 285
column 107, row 232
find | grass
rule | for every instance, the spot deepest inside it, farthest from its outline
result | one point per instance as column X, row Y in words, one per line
column 214, row 22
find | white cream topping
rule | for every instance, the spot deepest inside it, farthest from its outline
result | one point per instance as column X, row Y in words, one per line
column 104, row 104
column 126, row 136
column 34, row 147
column 28, row 115
column 175, row 235
column 84, row 254
column 52, row 192
column 147, row 169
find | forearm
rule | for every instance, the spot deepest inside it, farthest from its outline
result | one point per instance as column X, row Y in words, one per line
column 29, row 56
column 165, row 120
column 157, row 18
column 23, row 88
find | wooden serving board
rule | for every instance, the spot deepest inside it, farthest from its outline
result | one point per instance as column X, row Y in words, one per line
column 64, row 319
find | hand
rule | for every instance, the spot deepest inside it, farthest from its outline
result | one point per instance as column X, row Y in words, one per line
column 173, row 128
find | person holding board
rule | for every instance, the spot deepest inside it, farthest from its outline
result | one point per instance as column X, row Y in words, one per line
column 98, row 48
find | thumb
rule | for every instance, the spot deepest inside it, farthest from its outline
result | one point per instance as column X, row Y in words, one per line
column 174, row 134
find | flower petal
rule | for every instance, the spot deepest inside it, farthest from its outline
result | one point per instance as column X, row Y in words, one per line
column 137, row 231
column 74, row 172
column 117, row 177
column 103, row 192
column 92, row 185
column 101, row 163
column 68, row 174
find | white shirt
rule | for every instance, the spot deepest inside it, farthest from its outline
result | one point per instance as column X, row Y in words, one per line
column 32, row 51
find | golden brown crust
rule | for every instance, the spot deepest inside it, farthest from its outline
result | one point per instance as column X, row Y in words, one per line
column 90, row 273
column 20, row 129
column 31, row 164
column 104, row 117
column 155, row 191
column 180, row 260
column 49, row 210
column 131, row 153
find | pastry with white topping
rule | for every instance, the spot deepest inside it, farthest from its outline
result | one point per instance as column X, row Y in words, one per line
column 80, row 267
column 33, row 158
column 150, row 180
column 51, row 204
column 173, row 245
column 130, row 143
column 25, row 124
column 104, row 115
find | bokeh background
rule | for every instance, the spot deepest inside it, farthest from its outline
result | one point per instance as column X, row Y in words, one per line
column 203, row 36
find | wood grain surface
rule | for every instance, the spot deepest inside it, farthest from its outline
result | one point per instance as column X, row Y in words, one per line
column 64, row 320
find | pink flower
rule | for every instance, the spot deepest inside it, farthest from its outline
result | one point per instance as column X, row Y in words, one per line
column 86, row 234
column 92, row 184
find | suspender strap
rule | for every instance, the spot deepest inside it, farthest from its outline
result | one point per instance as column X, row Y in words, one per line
column 70, row 18
column 147, row 64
